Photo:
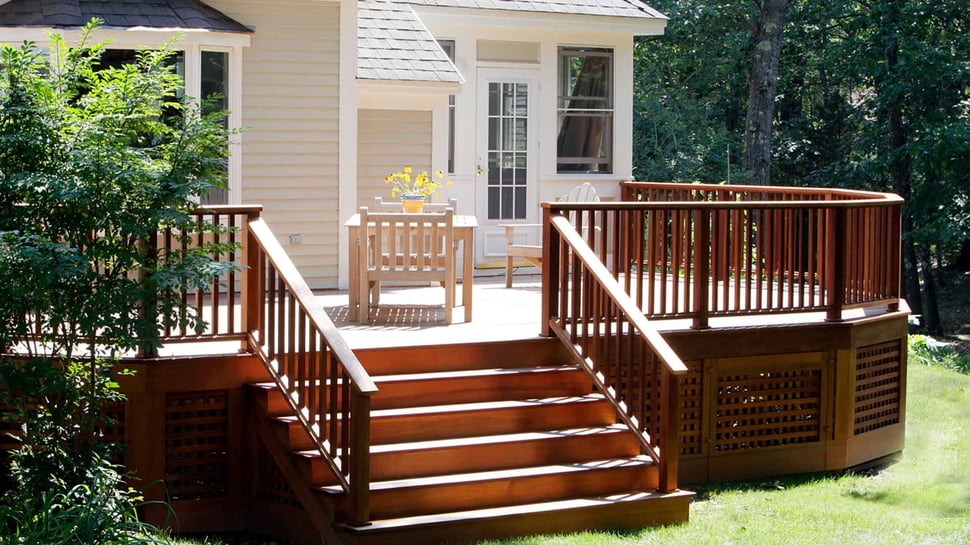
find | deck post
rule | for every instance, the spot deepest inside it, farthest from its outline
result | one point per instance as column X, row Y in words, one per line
column 702, row 269
column 670, row 433
column 835, row 272
column 251, row 289
column 360, row 459
column 550, row 271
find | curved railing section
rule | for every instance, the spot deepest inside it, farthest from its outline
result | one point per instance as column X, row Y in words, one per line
column 323, row 381
column 630, row 363
column 701, row 251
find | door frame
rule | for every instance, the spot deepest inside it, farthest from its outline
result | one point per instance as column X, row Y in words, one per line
column 490, row 237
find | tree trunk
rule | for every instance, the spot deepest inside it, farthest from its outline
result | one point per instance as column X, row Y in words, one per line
column 931, row 316
column 899, row 169
column 762, row 88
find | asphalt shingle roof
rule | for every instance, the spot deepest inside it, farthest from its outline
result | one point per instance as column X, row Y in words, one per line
column 186, row 14
column 608, row 8
column 393, row 44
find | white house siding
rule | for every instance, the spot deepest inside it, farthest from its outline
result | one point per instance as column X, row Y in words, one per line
column 290, row 118
column 387, row 141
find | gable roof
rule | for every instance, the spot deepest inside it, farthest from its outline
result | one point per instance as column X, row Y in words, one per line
column 608, row 8
column 124, row 14
column 393, row 44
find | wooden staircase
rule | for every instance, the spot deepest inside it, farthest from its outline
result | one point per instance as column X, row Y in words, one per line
column 481, row 441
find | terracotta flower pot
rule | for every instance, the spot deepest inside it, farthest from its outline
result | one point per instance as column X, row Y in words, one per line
column 413, row 204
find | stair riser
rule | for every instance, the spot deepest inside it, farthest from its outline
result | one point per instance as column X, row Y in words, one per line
column 485, row 457
column 409, row 393
column 445, row 357
column 477, row 495
column 428, row 427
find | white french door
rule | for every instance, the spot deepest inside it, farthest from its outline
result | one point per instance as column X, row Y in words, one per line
column 507, row 157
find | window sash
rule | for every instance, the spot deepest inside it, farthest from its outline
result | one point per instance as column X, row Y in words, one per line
column 585, row 111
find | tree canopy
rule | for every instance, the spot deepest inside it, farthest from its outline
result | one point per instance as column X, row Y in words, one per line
column 871, row 95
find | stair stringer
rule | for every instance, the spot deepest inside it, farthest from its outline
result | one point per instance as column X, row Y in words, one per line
column 319, row 513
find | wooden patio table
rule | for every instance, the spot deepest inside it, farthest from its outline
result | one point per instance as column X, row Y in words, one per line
column 464, row 233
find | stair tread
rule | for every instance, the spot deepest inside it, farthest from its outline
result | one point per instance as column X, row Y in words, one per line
column 471, row 407
column 459, row 373
column 482, row 476
column 471, row 373
column 504, row 511
column 486, row 439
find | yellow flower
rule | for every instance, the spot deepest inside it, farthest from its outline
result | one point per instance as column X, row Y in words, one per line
column 407, row 170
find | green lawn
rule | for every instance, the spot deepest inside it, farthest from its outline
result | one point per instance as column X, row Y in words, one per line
column 922, row 499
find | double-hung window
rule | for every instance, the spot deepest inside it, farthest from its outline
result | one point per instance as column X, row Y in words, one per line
column 585, row 107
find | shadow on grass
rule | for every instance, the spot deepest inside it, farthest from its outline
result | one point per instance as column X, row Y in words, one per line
column 708, row 489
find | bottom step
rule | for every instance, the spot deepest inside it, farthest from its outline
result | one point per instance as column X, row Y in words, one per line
column 617, row 512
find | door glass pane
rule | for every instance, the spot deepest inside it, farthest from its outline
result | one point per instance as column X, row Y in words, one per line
column 507, row 150
column 214, row 74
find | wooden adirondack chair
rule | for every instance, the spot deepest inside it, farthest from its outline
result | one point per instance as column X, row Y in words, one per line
column 533, row 252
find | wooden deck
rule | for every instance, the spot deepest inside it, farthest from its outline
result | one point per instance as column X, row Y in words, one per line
column 708, row 333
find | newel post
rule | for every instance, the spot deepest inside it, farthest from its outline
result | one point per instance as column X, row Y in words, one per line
column 835, row 264
column 359, row 458
column 252, row 287
column 670, row 434
column 702, row 268
column 550, row 271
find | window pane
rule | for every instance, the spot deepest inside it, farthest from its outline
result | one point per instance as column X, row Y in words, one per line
column 214, row 76
column 585, row 142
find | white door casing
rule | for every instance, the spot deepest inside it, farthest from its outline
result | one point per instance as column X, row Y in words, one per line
column 507, row 158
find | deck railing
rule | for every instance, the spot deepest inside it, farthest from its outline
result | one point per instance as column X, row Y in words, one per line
column 271, row 307
column 700, row 251
column 219, row 304
column 631, row 364
column 322, row 379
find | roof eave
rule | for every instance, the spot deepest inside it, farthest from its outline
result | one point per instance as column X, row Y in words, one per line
column 637, row 26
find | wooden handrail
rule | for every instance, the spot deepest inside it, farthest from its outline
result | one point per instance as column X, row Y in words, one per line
column 627, row 358
column 322, row 379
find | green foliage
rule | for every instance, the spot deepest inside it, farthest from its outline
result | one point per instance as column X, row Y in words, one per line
column 93, row 164
column 99, row 512
column 924, row 350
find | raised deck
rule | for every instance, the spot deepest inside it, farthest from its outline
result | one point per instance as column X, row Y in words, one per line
column 686, row 346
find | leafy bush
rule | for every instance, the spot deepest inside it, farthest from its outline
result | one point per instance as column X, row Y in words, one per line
column 928, row 351
column 93, row 164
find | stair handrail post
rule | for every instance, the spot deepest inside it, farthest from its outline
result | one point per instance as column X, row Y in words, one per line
column 836, row 263
column 360, row 458
column 550, row 270
column 702, row 269
column 670, row 433
column 252, row 289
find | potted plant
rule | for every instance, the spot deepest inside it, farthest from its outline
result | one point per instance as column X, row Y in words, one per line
column 414, row 190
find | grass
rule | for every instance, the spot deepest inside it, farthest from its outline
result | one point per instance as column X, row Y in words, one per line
column 922, row 499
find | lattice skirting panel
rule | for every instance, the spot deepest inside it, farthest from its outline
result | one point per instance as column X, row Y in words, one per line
column 196, row 444
column 768, row 408
column 878, row 386
column 692, row 408
column 271, row 485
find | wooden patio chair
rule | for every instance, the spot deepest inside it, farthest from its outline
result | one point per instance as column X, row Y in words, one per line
column 533, row 252
column 407, row 247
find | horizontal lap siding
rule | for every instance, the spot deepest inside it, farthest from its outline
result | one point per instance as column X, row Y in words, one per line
column 290, row 114
column 388, row 140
